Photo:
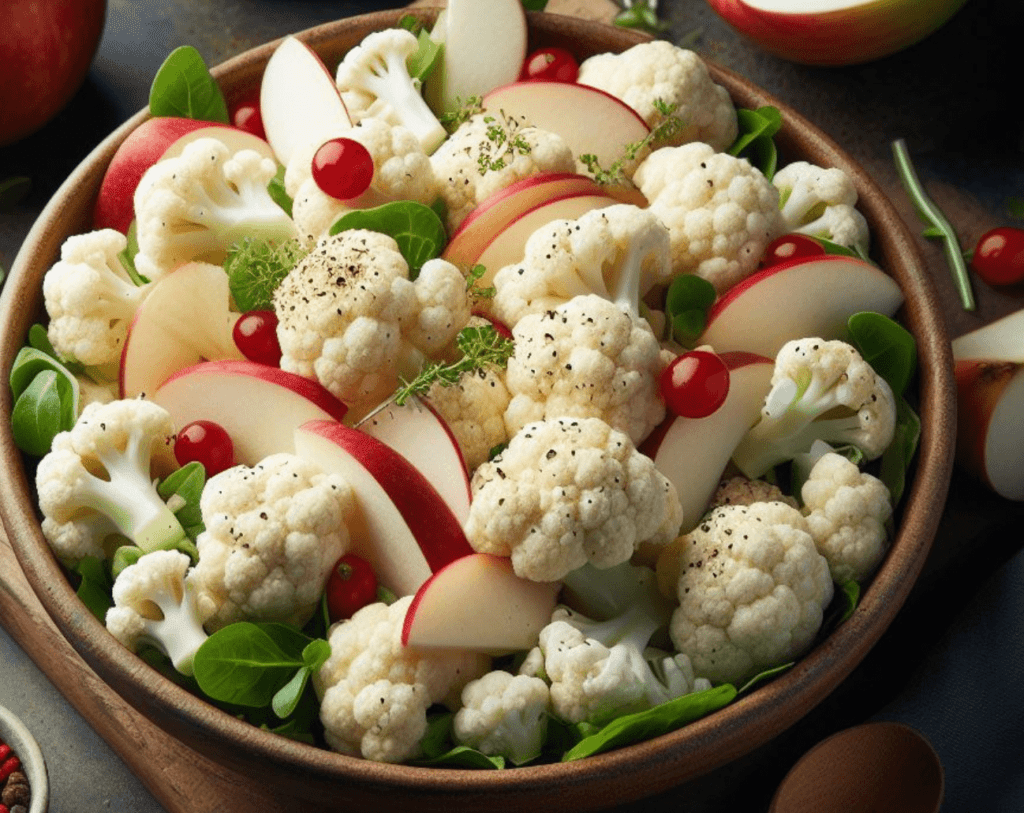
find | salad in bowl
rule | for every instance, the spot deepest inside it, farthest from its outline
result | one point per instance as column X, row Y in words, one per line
column 443, row 392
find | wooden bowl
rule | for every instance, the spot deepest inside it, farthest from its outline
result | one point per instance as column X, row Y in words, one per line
column 316, row 779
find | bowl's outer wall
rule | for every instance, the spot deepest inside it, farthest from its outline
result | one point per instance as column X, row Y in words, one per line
column 314, row 777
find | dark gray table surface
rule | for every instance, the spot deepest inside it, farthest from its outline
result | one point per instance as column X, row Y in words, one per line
column 952, row 664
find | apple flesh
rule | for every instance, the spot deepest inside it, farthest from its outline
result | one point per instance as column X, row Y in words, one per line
column 259, row 406
column 693, row 452
column 184, row 320
column 989, row 375
column 807, row 296
column 478, row 603
column 403, row 527
column 299, row 101
column 834, row 32
column 423, row 437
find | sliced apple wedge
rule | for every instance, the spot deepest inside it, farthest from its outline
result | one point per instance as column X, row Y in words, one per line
column 590, row 120
column 693, row 452
column 423, row 437
column 990, row 404
column 809, row 296
column 260, row 406
column 478, row 603
column 404, row 529
column 184, row 320
column 299, row 102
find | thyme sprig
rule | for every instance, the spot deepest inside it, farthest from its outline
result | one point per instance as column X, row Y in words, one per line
column 669, row 126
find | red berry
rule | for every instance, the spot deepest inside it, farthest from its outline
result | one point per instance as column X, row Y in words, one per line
column 351, row 586
column 790, row 247
column 245, row 115
column 205, row 442
column 999, row 256
column 550, row 65
column 695, row 384
column 255, row 335
column 343, row 168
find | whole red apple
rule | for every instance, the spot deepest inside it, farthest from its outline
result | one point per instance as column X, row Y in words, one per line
column 46, row 47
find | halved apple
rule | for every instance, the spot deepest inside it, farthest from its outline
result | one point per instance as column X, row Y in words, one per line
column 423, row 437
column 478, row 603
column 990, row 399
column 808, row 296
column 260, row 406
column 403, row 528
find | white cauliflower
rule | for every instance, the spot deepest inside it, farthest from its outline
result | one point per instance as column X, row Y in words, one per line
column 350, row 317
column 586, row 358
column 91, row 298
column 660, row 72
column 721, row 212
column 504, row 715
column 565, row 492
column 196, row 205
column 272, row 534
column 751, row 587
column 847, row 511
column 821, row 203
column 489, row 152
column 374, row 693
column 474, row 409
column 619, row 252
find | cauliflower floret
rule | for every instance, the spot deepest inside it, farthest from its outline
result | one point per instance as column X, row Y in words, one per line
column 721, row 212
column 658, row 71
column 741, row 490
column 504, row 715
column 474, row 163
column 569, row 491
column 196, row 205
column 374, row 693
column 350, row 317
column 273, row 533
column 474, row 409
column 586, row 358
column 846, row 511
column 752, row 589
column 401, row 171
column 619, row 252
column 91, row 299
column 820, row 202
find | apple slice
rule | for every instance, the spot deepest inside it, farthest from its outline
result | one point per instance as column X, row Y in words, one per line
column 693, row 452
column 260, row 406
column 807, row 296
column 990, row 404
column 478, row 603
column 299, row 101
column 590, row 120
column 184, row 320
column 423, row 437
column 484, row 47
column 404, row 529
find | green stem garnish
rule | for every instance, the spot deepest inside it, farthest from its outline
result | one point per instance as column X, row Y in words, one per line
column 665, row 130
column 938, row 225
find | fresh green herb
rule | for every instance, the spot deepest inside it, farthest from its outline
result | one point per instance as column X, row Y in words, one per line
column 896, row 459
column 277, row 191
column 887, row 346
column 287, row 698
column 45, row 394
column 256, row 267
column 669, row 126
column 127, row 255
column 94, row 585
column 755, row 142
column 419, row 232
column 480, row 348
column 641, row 15
column 184, row 87
column 504, row 141
column 687, row 302
column 428, row 53
column 473, row 277
column 463, row 112
column 935, row 221
column 438, row 749
column 181, row 490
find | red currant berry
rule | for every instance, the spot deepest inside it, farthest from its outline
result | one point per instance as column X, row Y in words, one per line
column 550, row 65
column 343, row 168
column 790, row 247
column 246, row 116
column 999, row 256
column 695, row 384
column 255, row 335
column 205, row 442
column 350, row 587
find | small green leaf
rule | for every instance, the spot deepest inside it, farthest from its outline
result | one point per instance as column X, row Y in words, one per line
column 641, row 15
column 278, row 193
column 183, row 87
column 187, row 483
column 896, row 459
column 94, row 586
column 287, row 698
column 687, row 303
column 419, row 232
column 426, row 57
column 255, row 268
column 46, row 407
column 887, row 346
column 755, row 141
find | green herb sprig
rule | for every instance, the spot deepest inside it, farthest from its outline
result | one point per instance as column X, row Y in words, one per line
column 669, row 126
column 256, row 267
column 184, row 87
column 504, row 142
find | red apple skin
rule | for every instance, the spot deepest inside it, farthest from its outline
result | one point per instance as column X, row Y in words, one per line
column 46, row 48
column 980, row 385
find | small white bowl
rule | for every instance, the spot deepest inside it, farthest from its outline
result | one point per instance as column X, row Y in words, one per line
column 25, row 747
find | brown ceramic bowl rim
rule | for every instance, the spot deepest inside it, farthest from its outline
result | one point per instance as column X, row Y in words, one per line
column 617, row 776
